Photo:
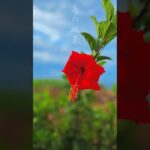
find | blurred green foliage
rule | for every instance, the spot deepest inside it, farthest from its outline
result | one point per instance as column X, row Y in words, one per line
column 140, row 10
column 60, row 125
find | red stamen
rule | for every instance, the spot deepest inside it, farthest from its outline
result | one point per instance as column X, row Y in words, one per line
column 73, row 93
column 74, row 90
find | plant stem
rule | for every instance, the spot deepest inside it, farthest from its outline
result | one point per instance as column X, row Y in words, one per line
column 99, row 48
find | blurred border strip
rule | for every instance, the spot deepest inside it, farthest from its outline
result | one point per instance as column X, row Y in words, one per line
column 16, row 75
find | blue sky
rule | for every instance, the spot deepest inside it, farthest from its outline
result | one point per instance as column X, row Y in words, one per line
column 53, row 36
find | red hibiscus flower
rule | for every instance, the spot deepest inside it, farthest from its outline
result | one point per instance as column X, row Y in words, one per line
column 82, row 73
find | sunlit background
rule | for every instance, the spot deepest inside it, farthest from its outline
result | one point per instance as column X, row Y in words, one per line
column 55, row 36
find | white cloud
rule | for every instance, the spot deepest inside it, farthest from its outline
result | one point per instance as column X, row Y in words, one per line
column 46, row 57
column 48, row 23
column 48, row 17
column 38, row 40
column 61, row 48
column 52, row 33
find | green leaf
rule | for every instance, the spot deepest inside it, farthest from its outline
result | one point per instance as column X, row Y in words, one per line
column 114, row 20
column 101, row 63
column 102, row 29
column 109, row 38
column 99, row 58
column 111, row 32
column 91, row 40
column 96, row 23
column 107, row 5
column 107, row 31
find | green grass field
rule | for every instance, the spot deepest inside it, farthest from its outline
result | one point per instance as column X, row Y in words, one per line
column 88, row 124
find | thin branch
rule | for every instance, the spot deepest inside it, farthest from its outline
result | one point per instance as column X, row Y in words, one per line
column 99, row 48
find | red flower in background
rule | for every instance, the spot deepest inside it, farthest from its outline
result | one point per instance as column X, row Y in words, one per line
column 133, row 72
column 82, row 73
